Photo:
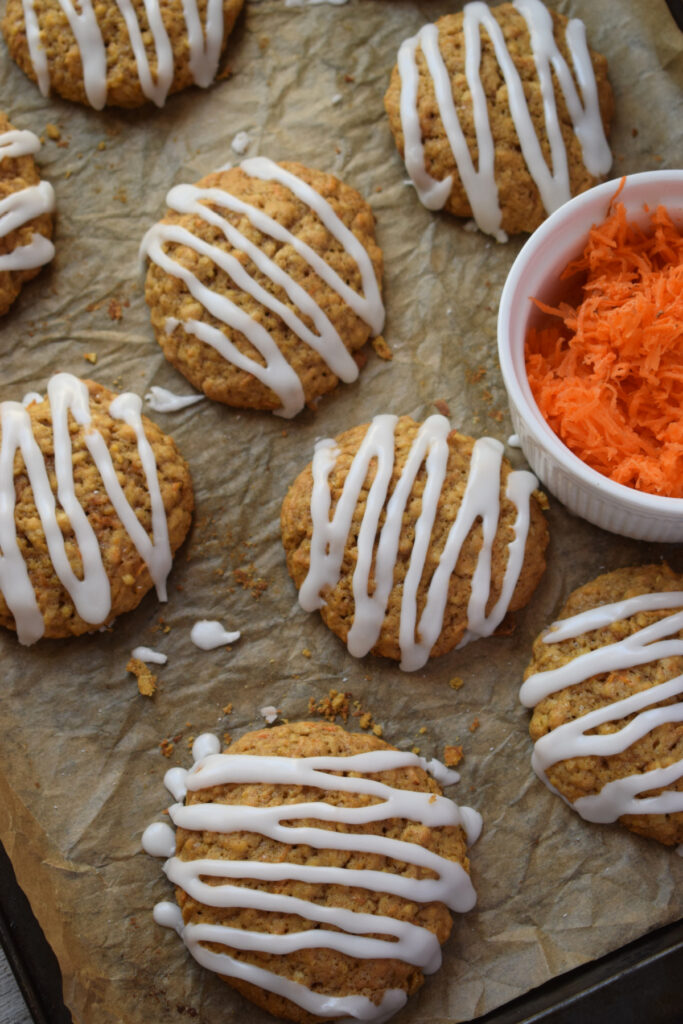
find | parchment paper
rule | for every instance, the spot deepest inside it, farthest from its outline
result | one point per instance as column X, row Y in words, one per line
column 80, row 762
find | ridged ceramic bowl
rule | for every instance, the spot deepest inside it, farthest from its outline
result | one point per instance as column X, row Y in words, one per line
column 536, row 272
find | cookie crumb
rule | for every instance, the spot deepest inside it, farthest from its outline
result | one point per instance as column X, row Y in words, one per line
column 147, row 681
column 53, row 132
column 90, row 357
column 441, row 405
column 247, row 578
column 336, row 703
column 382, row 349
column 474, row 725
column 456, row 682
column 452, row 756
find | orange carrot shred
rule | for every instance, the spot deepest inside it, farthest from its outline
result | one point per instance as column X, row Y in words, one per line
column 607, row 374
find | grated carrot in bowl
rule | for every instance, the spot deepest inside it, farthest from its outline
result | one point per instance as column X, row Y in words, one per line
column 606, row 371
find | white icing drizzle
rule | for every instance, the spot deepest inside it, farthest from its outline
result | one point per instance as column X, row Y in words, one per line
column 479, row 183
column 412, row 943
column 313, row 3
column 30, row 397
column 480, row 500
column 621, row 796
column 91, row 594
column 204, row 47
column 161, row 400
column 18, row 208
column 158, row 840
column 149, row 655
column 277, row 374
column 208, row 634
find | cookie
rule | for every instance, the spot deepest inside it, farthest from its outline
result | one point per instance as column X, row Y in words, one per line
column 606, row 685
column 120, row 53
column 486, row 109
column 263, row 284
column 411, row 538
column 335, row 864
column 94, row 501
column 26, row 208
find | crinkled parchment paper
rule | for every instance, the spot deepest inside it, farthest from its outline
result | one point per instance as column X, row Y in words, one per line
column 80, row 762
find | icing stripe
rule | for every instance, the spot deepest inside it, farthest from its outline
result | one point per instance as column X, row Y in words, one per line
column 479, row 184
column 18, row 208
column 352, row 1007
column 480, row 501
column 204, row 46
column 277, row 374
column 351, row 930
column 91, row 593
column 570, row 740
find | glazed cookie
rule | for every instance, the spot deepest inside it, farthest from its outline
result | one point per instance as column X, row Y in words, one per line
column 606, row 685
column 501, row 114
column 94, row 500
column 315, row 869
column 411, row 538
column 26, row 208
column 264, row 283
column 119, row 53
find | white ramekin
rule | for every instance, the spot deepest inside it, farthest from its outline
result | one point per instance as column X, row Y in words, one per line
column 536, row 272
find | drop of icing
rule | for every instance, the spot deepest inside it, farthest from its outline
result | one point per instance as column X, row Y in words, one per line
column 240, row 143
column 158, row 840
column 175, row 781
column 204, row 746
column 149, row 655
column 208, row 634
column 162, row 400
column 30, row 398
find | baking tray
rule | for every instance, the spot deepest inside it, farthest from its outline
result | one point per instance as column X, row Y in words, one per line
column 636, row 984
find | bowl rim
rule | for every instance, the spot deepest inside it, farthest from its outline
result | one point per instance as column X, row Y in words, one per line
column 519, row 391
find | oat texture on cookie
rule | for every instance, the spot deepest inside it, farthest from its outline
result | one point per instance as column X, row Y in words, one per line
column 501, row 114
column 606, row 685
column 411, row 538
column 26, row 212
column 316, row 870
column 264, row 284
column 94, row 501
column 121, row 53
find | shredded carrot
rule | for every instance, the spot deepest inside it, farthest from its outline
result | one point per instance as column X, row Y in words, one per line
column 608, row 377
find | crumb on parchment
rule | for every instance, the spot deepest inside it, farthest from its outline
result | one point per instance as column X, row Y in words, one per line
column 452, row 756
column 147, row 681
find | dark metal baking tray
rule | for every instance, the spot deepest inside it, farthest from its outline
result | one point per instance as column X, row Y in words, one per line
column 638, row 984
